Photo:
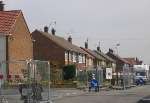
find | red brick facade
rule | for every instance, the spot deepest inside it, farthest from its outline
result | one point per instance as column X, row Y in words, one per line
column 20, row 41
column 19, row 46
column 47, row 49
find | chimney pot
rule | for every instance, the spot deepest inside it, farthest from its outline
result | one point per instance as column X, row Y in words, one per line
column 1, row 6
column 46, row 29
column 98, row 49
column 110, row 50
column 53, row 31
column 86, row 45
column 70, row 39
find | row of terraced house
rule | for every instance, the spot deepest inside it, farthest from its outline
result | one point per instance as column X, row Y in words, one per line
column 18, row 43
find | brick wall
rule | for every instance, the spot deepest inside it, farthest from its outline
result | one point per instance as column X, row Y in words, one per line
column 19, row 45
column 45, row 49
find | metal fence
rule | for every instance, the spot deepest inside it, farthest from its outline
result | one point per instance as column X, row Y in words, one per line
column 126, row 77
column 25, row 81
column 85, row 76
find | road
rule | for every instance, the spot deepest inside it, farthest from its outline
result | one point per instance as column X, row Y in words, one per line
column 12, row 95
column 114, row 96
column 76, row 96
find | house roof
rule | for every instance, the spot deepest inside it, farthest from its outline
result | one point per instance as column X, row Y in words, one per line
column 94, row 54
column 132, row 61
column 62, row 42
column 105, row 56
column 117, row 57
column 7, row 21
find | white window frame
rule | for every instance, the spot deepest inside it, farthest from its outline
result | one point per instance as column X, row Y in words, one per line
column 83, row 57
column 74, row 57
column 80, row 58
column 66, row 56
column 70, row 56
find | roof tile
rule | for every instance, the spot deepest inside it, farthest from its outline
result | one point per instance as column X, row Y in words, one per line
column 94, row 54
column 7, row 20
column 62, row 42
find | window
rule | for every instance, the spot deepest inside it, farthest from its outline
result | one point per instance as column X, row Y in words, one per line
column 77, row 58
column 83, row 58
column 74, row 57
column 103, row 63
column 66, row 56
column 80, row 58
column 70, row 56
column 90, row 61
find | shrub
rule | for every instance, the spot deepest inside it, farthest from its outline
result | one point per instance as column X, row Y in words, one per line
column 69, row 72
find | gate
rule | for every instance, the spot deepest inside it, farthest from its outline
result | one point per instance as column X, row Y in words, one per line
column 25, row 81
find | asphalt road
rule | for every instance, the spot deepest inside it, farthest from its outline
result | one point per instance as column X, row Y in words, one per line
column 12, row 95
column 114, row 96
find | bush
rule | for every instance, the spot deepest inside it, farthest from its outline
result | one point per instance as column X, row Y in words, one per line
column 69, row 72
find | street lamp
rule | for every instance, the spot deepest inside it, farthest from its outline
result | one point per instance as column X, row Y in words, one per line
column 117, row 72
column 124, row 84
column 117, row 45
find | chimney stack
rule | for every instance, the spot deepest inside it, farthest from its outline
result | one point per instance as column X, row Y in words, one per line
column 98, row 48
column 86, row 45
column 1, row 6
column 46, row 29
column 53, row 31
column 111, row 51
column 70, row 39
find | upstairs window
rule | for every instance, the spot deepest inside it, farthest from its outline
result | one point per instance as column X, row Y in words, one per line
column 80, row 58
column 74, row 57
column 70, row 58
column 66, row 56
column 83, row 59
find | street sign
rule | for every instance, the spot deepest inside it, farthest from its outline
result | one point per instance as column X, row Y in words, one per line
column 108, row 73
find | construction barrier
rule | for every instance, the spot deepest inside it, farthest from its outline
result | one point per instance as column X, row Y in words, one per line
column 25, row 81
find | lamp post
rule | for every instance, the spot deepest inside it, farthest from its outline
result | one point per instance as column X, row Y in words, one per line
column 117, row 72
column 117, row 45
column 124, row 84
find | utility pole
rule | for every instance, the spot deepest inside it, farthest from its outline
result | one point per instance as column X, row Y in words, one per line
column 116, row 46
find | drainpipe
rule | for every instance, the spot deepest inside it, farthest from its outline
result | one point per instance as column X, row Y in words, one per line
column 7, row 56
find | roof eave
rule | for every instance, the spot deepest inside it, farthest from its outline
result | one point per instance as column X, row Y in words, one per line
column 5, row 34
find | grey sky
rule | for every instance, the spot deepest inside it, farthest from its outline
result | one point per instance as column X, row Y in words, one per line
column 109, row 21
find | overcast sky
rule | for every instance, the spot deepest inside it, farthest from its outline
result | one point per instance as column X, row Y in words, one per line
column 109, row 21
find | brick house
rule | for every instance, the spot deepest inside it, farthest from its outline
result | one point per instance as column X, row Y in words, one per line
column 108, row 62
column 89, row 61
column 58, row 51
column 133, row 61
column 15, row 40
column 96, row 58
column 120, row 63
